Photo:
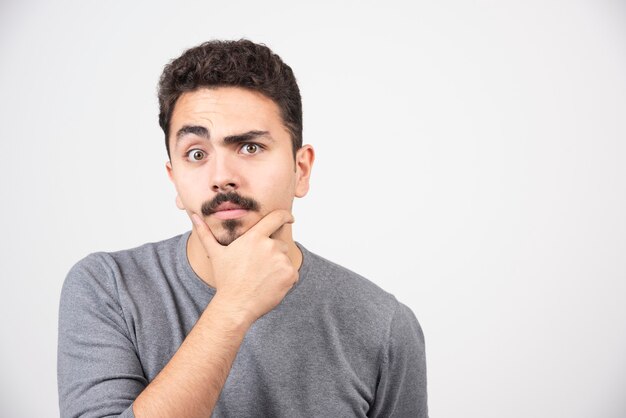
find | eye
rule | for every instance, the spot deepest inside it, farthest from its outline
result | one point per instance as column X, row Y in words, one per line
column 196, row 154
column 251, row 148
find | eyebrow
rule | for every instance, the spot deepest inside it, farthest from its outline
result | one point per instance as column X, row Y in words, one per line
column 203, row 132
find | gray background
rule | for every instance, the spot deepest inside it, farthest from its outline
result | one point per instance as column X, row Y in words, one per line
column 470, row 160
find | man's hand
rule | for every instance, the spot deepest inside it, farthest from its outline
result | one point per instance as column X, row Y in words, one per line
column 254, row 273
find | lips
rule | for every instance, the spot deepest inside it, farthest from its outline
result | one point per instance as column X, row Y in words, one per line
column 227, row 206
column 228, row 210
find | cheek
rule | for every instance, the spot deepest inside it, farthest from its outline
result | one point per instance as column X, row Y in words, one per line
column 189, row 189
column 276, row 188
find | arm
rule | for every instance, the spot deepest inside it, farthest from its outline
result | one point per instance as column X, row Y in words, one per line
column 252, row 275
column 98, row 368
column 190, row 384
column 98, row 371
column 401, row 390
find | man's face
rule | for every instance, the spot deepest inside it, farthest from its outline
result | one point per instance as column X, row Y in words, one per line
column 230, row 149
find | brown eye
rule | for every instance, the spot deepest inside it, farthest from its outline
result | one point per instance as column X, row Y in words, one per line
column 196, row 154
column 251, row 149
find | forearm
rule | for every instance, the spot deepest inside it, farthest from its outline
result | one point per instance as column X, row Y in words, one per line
column 190, row 384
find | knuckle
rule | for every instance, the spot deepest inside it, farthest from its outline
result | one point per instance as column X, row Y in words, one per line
column 290, row 272
column 279, row 246
column 268, row 245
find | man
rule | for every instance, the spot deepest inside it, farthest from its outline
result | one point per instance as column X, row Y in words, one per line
column 234, row 318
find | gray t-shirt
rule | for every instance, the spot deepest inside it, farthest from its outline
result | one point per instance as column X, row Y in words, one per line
column 336, row 346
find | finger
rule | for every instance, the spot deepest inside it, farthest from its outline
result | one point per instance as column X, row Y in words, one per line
column 206, row 236
column 273, row 221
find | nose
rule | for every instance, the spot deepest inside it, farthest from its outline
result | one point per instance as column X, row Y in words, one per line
column 224, row 177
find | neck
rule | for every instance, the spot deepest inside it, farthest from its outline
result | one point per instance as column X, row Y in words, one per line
column 201, row 265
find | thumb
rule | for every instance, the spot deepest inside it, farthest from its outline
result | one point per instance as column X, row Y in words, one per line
column 206, row 236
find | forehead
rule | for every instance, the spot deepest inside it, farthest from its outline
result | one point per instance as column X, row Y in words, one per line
column 226, row 108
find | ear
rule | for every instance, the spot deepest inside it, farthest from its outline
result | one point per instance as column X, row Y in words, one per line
column 170, row 170
column 170, row 174
column 305, row 157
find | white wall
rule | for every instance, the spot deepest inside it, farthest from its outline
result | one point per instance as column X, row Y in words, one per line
column 470, row 159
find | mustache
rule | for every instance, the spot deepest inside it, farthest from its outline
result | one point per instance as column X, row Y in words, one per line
column 208, row 207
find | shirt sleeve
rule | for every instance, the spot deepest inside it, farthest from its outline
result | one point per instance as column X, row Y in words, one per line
column 401, row 389
column 98, row 371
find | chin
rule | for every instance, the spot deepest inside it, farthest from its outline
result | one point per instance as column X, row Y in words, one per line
column 231, row 229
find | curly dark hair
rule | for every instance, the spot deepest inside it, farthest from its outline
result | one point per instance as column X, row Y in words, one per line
column 239, row 63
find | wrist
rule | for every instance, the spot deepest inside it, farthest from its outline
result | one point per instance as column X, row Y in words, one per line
column 228, row 315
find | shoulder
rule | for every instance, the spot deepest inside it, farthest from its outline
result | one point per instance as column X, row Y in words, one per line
column 371, row 325
column 102, row 271
column 146, row 257
column 359, row 299
column 331, row 276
